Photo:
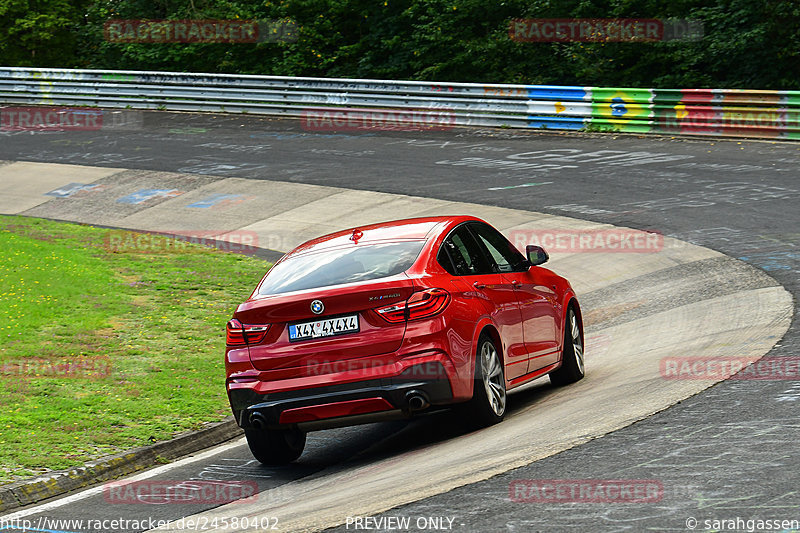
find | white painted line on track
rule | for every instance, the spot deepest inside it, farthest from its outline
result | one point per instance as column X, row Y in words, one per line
column 138, row 477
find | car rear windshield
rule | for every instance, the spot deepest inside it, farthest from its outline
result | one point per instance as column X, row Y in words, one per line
column 341, row 265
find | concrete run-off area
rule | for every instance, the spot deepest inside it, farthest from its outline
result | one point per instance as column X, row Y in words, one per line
column 640, row 308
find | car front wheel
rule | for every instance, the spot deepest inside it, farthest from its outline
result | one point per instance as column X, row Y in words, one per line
column 571, row 369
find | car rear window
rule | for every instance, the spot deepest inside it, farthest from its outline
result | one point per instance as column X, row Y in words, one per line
column 362, row 262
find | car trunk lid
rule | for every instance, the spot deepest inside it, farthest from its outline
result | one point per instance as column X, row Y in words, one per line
column 346, row 327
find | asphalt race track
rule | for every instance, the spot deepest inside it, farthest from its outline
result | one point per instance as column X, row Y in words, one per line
column 728, row 452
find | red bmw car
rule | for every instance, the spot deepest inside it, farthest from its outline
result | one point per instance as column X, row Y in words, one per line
column 393, row 319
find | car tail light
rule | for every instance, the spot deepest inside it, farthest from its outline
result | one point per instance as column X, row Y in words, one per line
column 238, row 334
column 422, row 304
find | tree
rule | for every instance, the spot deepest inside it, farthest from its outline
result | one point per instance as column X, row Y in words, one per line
column 40, row 32
column 746, row 44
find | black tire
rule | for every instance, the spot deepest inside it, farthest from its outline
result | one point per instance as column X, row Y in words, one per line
column 572, row 368
column 275, row 447
column 488, row 403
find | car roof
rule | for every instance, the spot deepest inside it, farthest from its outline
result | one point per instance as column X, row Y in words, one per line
column 407, row 229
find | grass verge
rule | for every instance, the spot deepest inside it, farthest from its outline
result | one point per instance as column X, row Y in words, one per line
column 102, row 351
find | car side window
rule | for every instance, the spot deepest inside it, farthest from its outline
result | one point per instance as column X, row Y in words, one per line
column 505, row 256
column 464, row 253
column 443, row 257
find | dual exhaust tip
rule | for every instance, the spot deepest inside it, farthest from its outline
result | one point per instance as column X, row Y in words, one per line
column 416, row 400
column 258, row 421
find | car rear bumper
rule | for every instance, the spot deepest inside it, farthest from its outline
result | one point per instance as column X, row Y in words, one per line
column 416, row 389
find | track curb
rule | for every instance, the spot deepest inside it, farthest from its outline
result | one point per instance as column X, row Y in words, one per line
column 27, row 492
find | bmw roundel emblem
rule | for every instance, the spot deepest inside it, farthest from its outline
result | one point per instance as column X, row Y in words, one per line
column 316, row 307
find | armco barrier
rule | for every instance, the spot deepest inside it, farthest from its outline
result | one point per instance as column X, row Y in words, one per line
column 716, row 112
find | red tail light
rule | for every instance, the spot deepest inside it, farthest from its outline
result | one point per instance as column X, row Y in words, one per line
column 238, row 334
column 422, row 304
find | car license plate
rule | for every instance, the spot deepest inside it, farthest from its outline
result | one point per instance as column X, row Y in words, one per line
column 327, row 327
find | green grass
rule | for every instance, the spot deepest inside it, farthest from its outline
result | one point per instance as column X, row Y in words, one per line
column 102, row 351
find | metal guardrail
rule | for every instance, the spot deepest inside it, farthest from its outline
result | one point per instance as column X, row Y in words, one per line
column 716, row 112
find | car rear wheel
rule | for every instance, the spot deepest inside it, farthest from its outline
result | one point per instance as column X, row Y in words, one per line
column 571, row 369
column 275, row 447
column 488, row 404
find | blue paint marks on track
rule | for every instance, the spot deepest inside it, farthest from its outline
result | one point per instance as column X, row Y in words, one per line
column 215, row 200
column 72, row 188
column 148, row 194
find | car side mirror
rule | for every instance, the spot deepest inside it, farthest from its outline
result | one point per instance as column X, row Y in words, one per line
column 536, row 255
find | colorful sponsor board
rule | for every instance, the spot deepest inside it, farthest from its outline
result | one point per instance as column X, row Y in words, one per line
column 732, row 121
column 565, row 93
column 558, row 114
column 725, row 112
column 199, row 31
column 718, row 112
column 622, row 109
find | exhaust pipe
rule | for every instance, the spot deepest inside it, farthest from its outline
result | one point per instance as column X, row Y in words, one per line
column 257, row 421
column 417, row 401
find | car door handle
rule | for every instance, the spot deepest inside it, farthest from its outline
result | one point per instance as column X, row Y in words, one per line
column 479, row 285
column 516, row 284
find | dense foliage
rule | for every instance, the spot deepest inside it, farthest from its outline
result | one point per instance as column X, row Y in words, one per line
column 747, row 44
